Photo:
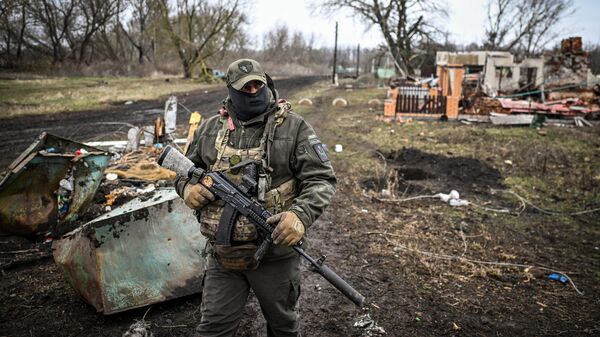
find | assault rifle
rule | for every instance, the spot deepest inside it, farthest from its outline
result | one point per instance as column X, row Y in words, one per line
column 240, row 200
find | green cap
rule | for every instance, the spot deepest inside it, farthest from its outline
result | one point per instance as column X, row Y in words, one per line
column 243, row 71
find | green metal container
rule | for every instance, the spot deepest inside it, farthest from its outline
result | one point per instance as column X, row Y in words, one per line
column 146, row 251
column 28, row 203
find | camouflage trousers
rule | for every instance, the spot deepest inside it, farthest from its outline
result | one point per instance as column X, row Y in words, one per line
column 276, row 285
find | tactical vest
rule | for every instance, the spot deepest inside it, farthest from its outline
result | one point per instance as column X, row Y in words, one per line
column 245, row 239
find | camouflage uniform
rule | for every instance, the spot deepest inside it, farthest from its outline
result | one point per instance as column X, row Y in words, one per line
column 302, row 181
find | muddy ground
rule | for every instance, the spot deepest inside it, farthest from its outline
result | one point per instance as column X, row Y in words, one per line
column 426, row 269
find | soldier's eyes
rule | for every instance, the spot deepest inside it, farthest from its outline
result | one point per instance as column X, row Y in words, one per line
column 252, row 86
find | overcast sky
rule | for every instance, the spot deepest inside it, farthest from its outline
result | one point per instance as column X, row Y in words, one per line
column 466, row 22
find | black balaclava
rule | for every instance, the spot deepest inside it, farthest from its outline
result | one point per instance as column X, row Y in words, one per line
column 249, row 105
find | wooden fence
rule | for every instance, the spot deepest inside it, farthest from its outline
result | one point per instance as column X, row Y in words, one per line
column 413, row 91
column 418, row 104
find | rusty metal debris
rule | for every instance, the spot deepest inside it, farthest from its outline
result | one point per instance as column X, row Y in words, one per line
column 146, row 251
column 50, row 182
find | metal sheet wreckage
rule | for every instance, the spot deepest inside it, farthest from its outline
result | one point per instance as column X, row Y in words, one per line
column 49, row 183
column 146, row 251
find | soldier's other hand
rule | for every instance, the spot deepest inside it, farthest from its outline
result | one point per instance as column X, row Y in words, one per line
column 289, row 230
column 197, row 196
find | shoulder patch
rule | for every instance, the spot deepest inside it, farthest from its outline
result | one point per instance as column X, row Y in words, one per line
column 320, row 150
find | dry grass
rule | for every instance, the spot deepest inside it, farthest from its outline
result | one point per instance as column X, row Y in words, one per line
column 43, row 95
column 554, row 169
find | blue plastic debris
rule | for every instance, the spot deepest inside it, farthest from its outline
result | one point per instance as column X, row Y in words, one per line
column 559, row 277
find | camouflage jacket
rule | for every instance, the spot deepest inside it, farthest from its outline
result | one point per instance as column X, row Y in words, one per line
column 296, row 152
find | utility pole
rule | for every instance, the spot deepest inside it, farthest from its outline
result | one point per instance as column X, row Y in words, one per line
column 335, row 53
column 357, row 59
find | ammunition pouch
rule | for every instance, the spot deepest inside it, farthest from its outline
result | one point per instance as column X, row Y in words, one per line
column 276, row 200
column 238, row 257
column 235, row 239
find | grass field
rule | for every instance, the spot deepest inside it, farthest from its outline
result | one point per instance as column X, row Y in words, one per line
column 43, row 95
column 542, row 164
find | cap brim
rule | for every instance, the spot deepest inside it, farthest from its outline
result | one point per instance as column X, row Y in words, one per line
column 239, row 84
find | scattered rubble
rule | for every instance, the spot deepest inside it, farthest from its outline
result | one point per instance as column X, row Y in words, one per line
column 489, row 83
column 369, row 325
column 139, row 329
column 51, row 182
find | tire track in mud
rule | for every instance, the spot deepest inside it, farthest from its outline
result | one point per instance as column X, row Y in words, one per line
column 17, row 133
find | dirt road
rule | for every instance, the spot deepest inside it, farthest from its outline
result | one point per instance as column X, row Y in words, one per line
column 17, row 133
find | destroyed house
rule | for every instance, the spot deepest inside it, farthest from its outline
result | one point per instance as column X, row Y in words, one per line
column 496, row 71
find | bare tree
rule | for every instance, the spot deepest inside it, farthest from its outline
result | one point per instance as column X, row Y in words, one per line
column 92, row 16
column 14, row 20
column 58, row 29
column 403, row 23
column 109, row 42
column 500, row 17
column 279, row 42
column 55, row 20
column 275, row 43
column 137, row 31
column 524, row 25
column 197, row 33
column 281, row 45
column 200, row 30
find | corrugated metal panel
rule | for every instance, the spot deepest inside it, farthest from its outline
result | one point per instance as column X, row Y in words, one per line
column 144, row 252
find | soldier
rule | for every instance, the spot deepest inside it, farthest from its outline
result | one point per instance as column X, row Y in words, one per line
column 295, row 182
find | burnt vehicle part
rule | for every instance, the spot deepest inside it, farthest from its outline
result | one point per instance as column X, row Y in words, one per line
column 147, row 251
column 28, row 202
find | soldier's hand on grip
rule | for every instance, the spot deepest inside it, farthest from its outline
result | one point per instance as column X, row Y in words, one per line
column 289, row 230
column 197, row 196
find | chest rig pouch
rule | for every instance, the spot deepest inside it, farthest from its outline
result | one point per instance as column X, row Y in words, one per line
column 236, row 243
